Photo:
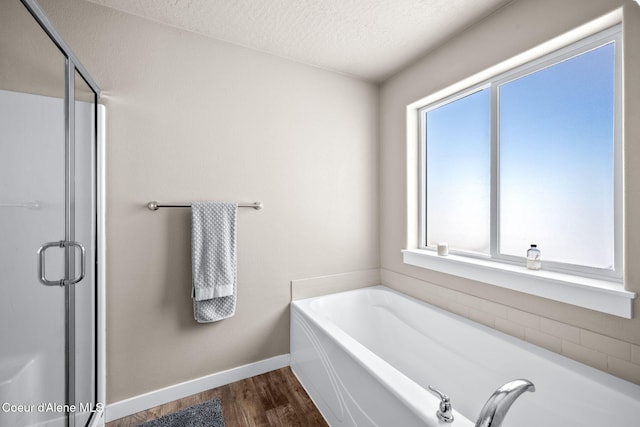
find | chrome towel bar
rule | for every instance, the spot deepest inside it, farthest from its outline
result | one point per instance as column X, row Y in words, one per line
column 154, row 206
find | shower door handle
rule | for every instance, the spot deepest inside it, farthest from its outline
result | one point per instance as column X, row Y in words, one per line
column 41, row 263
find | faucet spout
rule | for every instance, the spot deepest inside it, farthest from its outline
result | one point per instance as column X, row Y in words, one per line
column 494, row 411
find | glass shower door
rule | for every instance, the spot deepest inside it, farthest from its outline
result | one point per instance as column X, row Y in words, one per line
column 47, row 230
column 32, row 212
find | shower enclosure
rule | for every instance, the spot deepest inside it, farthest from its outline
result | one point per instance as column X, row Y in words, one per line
column 51, row 245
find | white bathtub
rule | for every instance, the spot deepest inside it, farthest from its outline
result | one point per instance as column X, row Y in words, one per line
column 367, row 356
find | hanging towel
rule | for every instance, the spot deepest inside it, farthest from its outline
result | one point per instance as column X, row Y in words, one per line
column 213, row 251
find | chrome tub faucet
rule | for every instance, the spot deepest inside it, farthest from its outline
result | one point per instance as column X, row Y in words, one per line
column 496, row 407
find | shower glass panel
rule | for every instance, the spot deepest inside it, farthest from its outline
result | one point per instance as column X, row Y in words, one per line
column 47, row 229
column 32, row 211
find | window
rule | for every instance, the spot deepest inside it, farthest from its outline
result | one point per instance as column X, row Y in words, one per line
column 458, row 172
column 531, row 156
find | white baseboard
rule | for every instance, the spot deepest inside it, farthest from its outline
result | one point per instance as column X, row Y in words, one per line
column 139, row 403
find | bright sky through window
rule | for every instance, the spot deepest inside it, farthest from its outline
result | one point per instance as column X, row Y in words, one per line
column 459, row 173
column 554, row 163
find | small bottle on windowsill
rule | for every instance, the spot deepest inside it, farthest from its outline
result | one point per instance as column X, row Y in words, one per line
column 534, row 261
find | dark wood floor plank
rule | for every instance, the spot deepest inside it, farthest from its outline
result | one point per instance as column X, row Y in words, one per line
column 277, row 417
column 270, row 389
column 232, row 412
column 246, row 396
column 274, row 399
column 300, row 400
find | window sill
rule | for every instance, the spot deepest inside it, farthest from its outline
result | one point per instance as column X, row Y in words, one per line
column 600, row 295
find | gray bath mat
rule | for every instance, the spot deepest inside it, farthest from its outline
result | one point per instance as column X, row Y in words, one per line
column 207, row 414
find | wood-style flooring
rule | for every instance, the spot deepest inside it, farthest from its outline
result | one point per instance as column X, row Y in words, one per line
column 272, row 399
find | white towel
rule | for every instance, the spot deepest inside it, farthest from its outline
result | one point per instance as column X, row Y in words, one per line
column 213, row 251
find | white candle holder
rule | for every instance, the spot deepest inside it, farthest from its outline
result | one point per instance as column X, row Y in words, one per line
column 443, row 249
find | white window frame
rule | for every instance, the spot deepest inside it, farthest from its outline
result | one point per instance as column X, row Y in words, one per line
column 587, row 287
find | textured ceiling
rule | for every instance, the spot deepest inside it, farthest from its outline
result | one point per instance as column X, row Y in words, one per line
column 369, row 39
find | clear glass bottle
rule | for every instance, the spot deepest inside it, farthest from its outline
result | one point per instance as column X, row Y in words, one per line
column 534, row 258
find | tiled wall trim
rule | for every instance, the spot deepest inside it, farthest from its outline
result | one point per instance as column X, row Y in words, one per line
column 611, row 355
column 323, row 285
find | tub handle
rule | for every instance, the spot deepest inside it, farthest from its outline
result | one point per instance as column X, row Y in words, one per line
column 445, row 411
